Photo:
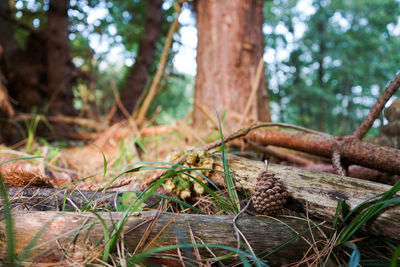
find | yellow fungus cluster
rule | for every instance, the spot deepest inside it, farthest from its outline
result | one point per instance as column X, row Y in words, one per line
column 189, row 183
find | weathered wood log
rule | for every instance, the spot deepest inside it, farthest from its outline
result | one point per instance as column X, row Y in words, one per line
column 56, row 199
column 58, row 229
column 317, row 191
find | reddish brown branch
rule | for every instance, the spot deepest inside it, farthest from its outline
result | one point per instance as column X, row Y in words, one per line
column 353, row 151
column 377, row 108
column 336, row 162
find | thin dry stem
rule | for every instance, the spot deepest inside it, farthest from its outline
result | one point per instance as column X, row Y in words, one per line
column 161, row 67
column 377, row 108
column 254, row 87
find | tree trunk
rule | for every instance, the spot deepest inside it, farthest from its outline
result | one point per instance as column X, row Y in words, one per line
column 139, row 74
column 230, row 46
column 80, row 232
column 59, row 65
column 8, row 51
column 7, row 41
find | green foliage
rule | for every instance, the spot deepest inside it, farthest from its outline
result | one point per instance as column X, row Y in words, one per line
column 175, row 98
column 125, row 200
column 181, row 182
column 366, row 210
column 335, row 71
column 359, row 216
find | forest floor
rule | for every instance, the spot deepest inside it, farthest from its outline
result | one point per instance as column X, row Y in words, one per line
column 124, row 159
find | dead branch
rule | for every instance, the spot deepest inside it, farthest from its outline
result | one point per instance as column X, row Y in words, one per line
column 263, row 233
column 352, row 150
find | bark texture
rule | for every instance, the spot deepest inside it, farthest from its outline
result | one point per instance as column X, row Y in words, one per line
column 230, row 46
column 61, row 228
column 139, row 74
column 59, row 66
column 318, row 192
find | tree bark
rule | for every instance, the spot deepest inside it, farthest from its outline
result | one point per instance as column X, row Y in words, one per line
column 59, row 65
column 317, row 192
column 230, row 46
column 61, row 228
column 139, row 74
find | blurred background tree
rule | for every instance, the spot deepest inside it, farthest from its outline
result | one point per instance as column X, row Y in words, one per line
column 340, row 57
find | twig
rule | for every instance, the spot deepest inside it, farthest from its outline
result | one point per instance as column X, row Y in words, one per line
column 121, row 105
column 336, row 161
column 377, row 108
column 161, row 67
column 238, row 232
column 314, row 244
column 193, row 240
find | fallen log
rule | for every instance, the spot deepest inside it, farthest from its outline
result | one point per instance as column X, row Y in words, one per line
column 317, row 192
column 80, row 232
column 56, row 199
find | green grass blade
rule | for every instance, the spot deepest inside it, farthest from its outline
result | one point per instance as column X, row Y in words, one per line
column 35, row 157
column 134, row 206
column 106, row 251
column 180, row 202
column 28, row 248
column 230, row 184
column 242, row 255
column 395, row 257
column 365, row 213
column 8, row 217
column 339, row 209
column 85, row 208
column 9, row 225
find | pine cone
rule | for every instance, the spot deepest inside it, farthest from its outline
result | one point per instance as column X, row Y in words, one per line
column 269, row 196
